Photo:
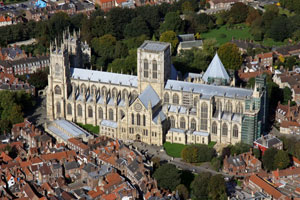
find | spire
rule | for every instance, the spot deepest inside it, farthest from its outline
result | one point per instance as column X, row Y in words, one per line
column 216, row 69
column 158, row 119
column 149, row 106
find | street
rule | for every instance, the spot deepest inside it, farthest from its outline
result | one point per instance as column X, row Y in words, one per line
column 155, row 151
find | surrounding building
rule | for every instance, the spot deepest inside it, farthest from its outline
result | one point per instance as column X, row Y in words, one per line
column 5, row 20
column 264, row 59
column 101, row 168
column 245, row 45
column 187, row 42
column 12, row 53
column 225, row 4
column 11, row 83
column 244, row 164
column 268, row 141
column 286, row 51
column 27, row 65
column 290, row 79
column 63, row 131
column 152, row 105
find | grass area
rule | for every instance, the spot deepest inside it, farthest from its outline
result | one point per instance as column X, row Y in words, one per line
column 240, row 31
column 270, row 43
column 90, row 128
column 286, row 12
column 224, row 34
column 174, row 149
column 212, row 144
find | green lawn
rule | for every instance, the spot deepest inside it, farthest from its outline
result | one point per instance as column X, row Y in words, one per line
column 174, row 150
column 223, row 35
column 286, row 12
column 90, row 128
column 270, row 43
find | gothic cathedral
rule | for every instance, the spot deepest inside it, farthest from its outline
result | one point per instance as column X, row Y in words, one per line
column 154, row 106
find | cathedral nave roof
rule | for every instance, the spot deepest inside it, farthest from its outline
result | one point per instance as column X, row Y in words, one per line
column 104, row 77
column 207, row 90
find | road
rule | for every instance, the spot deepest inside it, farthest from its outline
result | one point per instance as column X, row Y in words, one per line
column 155, row 151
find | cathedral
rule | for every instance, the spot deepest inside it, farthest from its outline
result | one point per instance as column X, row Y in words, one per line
column 153, row 106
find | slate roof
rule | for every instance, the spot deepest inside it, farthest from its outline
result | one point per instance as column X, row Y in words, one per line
column 201, row 133
column 71, row 165
column 215, row 69
column 70, row 127
column 134, row 166
column 109, row 123
column 191, row 44
column 159, row 113
column 104, row 77
column 236, row 161
column 25, row 61
column 149, row 95
column 186, row 37
column 11, row 51
column 268, row 140
column 207, row 90
column 154, row 46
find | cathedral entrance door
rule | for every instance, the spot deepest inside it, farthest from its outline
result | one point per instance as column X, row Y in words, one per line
column 138, row 137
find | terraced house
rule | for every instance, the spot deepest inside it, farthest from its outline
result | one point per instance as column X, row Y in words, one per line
column 154, row 106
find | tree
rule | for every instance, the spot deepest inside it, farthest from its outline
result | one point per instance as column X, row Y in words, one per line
column 152, row 16
column 171, row 37
column 280, row 29
column 281, row 160
column 287, row 95
column 269, row 15
column 239, row 148
column 121, row 50
column 182, row 191
column 118, row 18
column 156, row 162
column 197, row 153
column 187, row 7
column 210, row 47
column 125, row 65
column 290, row 62
column 253, row 14
column 230, row 56
column 200, row 186
column 104, row 47
column 172, row 22
column 296, row 150
column 239, row 12
column 217, row 188
column 136, row 28
column 167, row 176
column 216, row 163
column 39, row 79
column 268, row 158
column 257, row 153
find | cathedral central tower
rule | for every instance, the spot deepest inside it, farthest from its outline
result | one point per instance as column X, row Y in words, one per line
column 154, row 65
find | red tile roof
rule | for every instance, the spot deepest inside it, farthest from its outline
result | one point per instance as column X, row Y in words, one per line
column 109, row 197
column 286, row 172
column 265, row 186
column 287, row 124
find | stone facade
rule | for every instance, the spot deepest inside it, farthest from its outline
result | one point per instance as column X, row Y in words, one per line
column 145, row 107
